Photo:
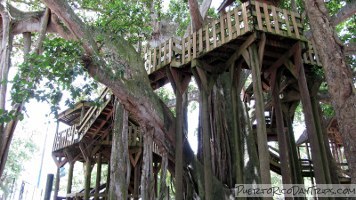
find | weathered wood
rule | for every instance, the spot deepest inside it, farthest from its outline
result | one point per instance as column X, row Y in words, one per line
column 194, row 44
column 119, row 154
column 275, row 20
column 237, row 22
column 261, row 123
column 98, row 176
column 201, row 41
column 180, row 83
column 309, row 120
column 229, row 26
column 147, row 189
column 70, row 178
column 281, row 134
column 237, row 137
column 56, row 184
column 222, row 29
column 244, row 16
column 49, row 184
column 243, row 47
column 87, row 177
column 163, row 187
column 258, row 15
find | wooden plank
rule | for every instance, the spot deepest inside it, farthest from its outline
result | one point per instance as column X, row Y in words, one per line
column 183, row 50
column 268, row 21
column 189, row 48
column 207, row 41
column 259, row 18
column 286, row 18
column 165, row 52
column 170, row 54
column 159, row 57
column 200, row 40
column 154, row 59
column 275, row 20
column 239, row 51
column 229, row 27
column 295, row 26
column 214, row 33
column 237, row 22
column 195, row 44
column 222, row 29
column 244, row 15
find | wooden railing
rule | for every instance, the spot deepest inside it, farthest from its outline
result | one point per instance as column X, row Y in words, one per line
column 278, row 21
column 162, row 55
column 76, row 132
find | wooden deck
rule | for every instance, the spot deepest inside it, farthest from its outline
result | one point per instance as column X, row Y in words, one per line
column 223, row 36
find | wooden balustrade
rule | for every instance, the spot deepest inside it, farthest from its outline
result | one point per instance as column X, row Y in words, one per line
column 276, row 20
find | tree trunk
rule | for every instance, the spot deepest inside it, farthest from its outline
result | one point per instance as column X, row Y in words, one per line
column 338, row 76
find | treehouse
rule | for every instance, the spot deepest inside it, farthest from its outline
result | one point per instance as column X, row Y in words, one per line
column 257, row 37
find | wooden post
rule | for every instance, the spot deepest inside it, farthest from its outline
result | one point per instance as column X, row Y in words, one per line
column 281, row 134
column 56, row 186
column 119, row 154
column 238, row 143
column 98, row 177
column 180, row 83
column 136, row 180
column 310, row 120
column 293, row 154
column 87, row 177
column 147, row 175
column 163, row 187
column 260, row 117
column 49, row 185
column 205, row 83
column 108, row 179
column 70, row 178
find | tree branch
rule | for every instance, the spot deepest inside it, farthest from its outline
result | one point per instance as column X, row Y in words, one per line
column 344, row 13
column 133, row 90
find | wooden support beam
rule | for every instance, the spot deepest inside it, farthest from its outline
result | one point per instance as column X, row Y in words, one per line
column 237, row 137
column 281, row 134
column 98, row 176
column 87, row 177
column 70, row 178
column 243, row 47
column 56, row 185
column 136, row 181
column 284, row 58
column 205, row 83
column 119, row 154
column 147, row 189
column 309, row 119
column 261, row 123
column 180, row 82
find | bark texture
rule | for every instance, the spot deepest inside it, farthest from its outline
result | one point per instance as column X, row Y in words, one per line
column 119, row 159
column 338, row 76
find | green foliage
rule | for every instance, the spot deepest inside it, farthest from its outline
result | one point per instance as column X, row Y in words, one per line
column 21, row 151
column 45, row 77
column 129, row 19
column 178, row 11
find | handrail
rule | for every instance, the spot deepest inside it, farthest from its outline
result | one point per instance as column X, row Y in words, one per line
column 76, row 132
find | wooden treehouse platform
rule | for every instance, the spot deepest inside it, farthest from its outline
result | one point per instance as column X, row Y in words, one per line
column 276, row 33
